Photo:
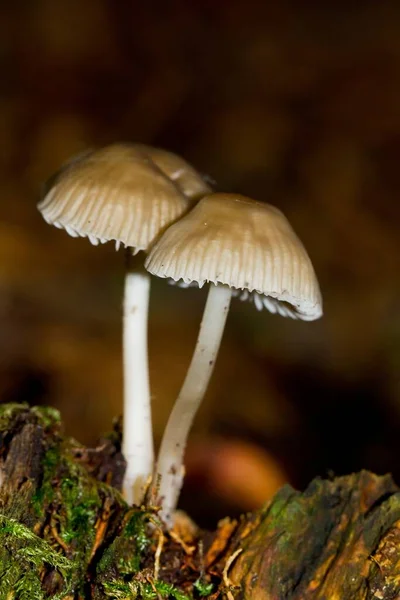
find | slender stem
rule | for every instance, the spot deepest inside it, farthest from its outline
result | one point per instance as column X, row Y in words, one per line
column 170, row 459
column 137, row 443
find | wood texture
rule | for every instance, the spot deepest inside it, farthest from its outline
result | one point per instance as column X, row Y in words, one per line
column 66, row 533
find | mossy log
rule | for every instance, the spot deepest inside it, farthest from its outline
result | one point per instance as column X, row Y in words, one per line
column 66, row 532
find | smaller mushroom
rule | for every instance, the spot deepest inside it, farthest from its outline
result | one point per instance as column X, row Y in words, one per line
column 240, row 247
column 119, row 193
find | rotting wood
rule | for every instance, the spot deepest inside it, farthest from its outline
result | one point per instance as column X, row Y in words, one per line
column 66, row 533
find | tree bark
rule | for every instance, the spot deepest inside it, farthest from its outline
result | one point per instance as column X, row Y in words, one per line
column 66, row 532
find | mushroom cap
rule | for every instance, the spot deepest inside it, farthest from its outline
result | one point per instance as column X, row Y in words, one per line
column 185, row 177
column 233, row 240
column 115, row 193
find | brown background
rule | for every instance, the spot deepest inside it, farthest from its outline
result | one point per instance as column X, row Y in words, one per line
column 295, row 103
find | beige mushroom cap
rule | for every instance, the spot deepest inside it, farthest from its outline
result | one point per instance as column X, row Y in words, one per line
column 115, row 193
column 185, row 177
column 247, row 245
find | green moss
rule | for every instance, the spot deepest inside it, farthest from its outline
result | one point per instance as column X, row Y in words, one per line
column 136, row 529
column 74, row 500
column 203, row 588
column 46, row 416
column 44, row 495
column 8, row 414
column 67, row 487
column 166, row 590
column 120, row 569
column 143, row 590
column 125, row 554
column 78, row 515
column 23, row 557
column 278, row 505
column 65, row 505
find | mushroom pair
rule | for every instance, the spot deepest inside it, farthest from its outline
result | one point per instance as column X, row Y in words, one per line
column 129, row 194
column 240, row 246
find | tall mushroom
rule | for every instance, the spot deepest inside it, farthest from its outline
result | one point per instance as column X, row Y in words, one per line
column 239, row 246
column 119, row 193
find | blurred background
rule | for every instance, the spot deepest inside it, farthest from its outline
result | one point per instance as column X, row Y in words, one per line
column 297, row 104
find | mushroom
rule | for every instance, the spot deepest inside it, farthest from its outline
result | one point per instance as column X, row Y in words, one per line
column 185, row 177
column 241, row 247
column 119, row 193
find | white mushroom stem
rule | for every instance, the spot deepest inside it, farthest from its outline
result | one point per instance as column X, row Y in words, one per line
column 170, row 467
column 137, row 445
